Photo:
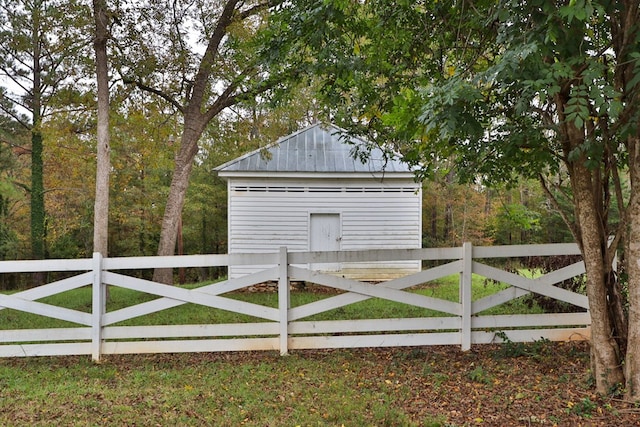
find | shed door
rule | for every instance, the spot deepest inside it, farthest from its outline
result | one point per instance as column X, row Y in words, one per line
column 324, row 235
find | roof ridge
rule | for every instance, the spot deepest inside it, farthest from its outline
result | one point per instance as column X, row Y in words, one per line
column 266, row 147
column 319, row 147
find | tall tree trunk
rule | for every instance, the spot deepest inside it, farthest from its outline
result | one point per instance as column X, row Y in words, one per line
column 37, row 203
column 101, row 207
column 201, row 107
column 632, row 360
column 37, row 196
column 175, row 200
column 37, row 166
column 605, row 354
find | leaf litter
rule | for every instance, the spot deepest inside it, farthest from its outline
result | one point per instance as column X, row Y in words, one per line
column 548, row 384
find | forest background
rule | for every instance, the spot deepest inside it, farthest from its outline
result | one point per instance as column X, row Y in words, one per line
column 145, row 130
column 143, row 146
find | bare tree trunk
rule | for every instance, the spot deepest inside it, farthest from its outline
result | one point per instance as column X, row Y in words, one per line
column 605, row 354
column 101, row 207
column 200, row 108
column 38, row 212
column 175, row 201
column 632, row 360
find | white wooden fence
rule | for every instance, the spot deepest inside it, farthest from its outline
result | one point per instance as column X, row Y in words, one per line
column 284, row 327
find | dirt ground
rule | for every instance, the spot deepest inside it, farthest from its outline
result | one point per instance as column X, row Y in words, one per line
column 513, row 384
column 510, row 385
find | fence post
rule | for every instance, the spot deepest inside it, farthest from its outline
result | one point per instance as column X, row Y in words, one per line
column 98, row 304
column 283, row 300
column 465, row 295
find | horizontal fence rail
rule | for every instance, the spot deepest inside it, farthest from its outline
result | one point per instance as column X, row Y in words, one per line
column 100, row 327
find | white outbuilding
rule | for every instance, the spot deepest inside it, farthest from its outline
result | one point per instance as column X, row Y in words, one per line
column 308, row 192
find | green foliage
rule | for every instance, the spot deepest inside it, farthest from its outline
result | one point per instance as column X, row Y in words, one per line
column 42, row 44
column 206, row 53
column 513, row 222
column 143, row 144
column 51, row 63
column 8, row 237
column 36, row 190
column 490, row 88
column 508, row 348
column 370, row 75
column 541, row 90
column 584, row 407
column 11, row 135
column 8, row 194
column 435, row 421
column 479, row 375
column 454, row 213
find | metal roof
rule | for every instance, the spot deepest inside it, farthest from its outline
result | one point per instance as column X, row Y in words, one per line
column 318, row 148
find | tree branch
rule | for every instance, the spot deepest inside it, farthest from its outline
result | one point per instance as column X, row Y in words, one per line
column 13, row 114
column 10, row 73
column 222, row 101
column 227, row 98
column 259, row 7
column 155, row 91
column 183, row 67
column 554, row 201
column 206, row 64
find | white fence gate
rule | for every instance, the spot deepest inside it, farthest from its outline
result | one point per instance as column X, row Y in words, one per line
column 284, row 327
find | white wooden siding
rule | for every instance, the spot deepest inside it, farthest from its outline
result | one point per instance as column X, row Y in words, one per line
column 267, row 214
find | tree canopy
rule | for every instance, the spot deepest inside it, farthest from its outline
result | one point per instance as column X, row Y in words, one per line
column 500, row 90
column 40, row 45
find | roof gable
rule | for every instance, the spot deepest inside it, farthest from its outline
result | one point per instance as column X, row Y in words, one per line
column 316, row 149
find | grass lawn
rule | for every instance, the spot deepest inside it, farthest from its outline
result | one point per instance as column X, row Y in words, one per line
column 80, row 299
column 540, row 384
